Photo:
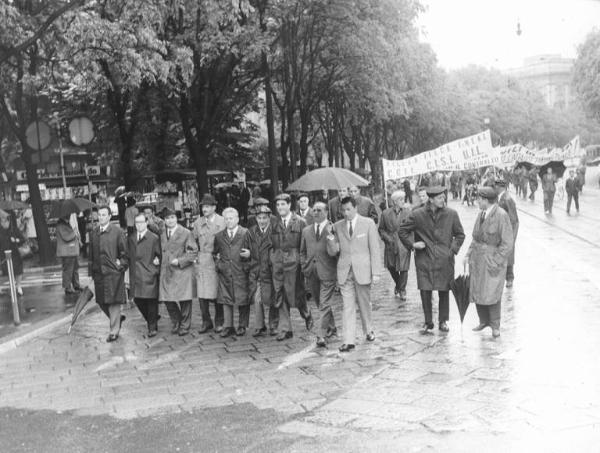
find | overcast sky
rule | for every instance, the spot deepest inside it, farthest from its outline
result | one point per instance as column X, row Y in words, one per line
column 483, row 32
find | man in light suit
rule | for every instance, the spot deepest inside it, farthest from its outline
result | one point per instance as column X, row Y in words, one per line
column 356, row 241
column 319, row 270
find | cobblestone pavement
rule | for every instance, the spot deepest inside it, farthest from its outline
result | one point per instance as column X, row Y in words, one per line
column 537, row 387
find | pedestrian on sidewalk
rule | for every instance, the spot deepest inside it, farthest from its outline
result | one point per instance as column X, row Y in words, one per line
column 572, row 187
column 549, row 189
column 438, row 236
column 396, row 256
column 108, row 262
column 533, row 183
column 205, row 272
column 144, row 271
column 319, row 269
column 487, row 258
column 232, row 269
column 356, row 241
column 179, row 250
column 506, row 202
column 260, row 277
column 68, row 245
column 11, row 239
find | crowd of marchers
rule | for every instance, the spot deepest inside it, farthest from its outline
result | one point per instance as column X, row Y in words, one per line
column 300, row 259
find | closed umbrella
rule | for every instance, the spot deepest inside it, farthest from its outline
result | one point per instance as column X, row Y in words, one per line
column 85, row 296
column 460, row 290
column 328, row 178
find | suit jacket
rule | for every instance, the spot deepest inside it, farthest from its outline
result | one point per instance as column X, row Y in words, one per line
column 143, row 273
column 309, row 218
column 359, row 252
column 176, row 281
column 572, row 185
column 314, row 259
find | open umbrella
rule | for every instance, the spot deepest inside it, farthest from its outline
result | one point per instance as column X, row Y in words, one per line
column 460, row 289
column 11, row 205
column 84, row 204
column 328, row 178
column 62, row 209
column 558, row 168
column 85, row 296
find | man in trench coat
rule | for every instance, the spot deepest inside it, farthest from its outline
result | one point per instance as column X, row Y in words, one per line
column 207, row 281
column 232, row 269
column 438, row 236
column 145, row 253
column 487, row 257
column 288, row 281
column 108, row 262
column 260, row 278
column 176, row 273
column 506, row 202
column 396, row 256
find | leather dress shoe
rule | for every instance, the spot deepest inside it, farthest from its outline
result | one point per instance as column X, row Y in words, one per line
column 205, row 328
column 426, row 328
column 123, row 318
column 321, row 342
column 175, row 328
column 241, row 331
column 309, row 322
column 371, row 336
column 284, row 335
column 444, row 326
column 218, row 329
column 331, row 332
column 346, row 347
column 152, row 333
column 272, row 331
column 396, row 291
column 227, row 332
column 182, row 333
column 479, row 328
column 495, row 333
column 259, row 332
column 111, row 338
column 71, row 291
column 402, row 295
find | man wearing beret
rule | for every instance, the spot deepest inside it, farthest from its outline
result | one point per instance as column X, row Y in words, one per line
column 257, row 203
column 487, row 258
column 439, row 235
column 506, row 202
column 288, row 281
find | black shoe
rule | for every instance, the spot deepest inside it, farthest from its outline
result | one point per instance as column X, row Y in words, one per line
column 309, row 322
column 479, row 328
column 227, row 332
column 427, row 327
column 370, row 336
column 284, row 335
column 331, row 332
column 396, row 291
column 205, row 328
column 175, row 328
column 259, row 332
column 241, row 331
column 70, row 291
column 182, row 333
column 272, row 331
column 123, row 318
column 152, row 333
column 321, row 342
column 218, row 329
column 111, row 338
column 444, row 326
column 346, row 347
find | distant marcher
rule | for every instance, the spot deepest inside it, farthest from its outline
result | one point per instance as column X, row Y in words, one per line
column 438, row 236
column 108, row 262
column 304, row 209
column 155, row 223
column 31, row 235
column 549, row 188
column 364, row 205
column 130, row 214
column 244, row 200
column 67, row 249
column 335, row 205
column 506, row 202
column 232, row 269
column 422, row 198
column 356, row 241
column 572, row 187
column 319, row 269
column 533, row 183
column 144, row 271
column 408, row 193
column 11, row 239
column 179, row 250
column 487, row 258
column 396, row 256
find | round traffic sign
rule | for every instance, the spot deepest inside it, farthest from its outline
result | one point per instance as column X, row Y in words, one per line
column 81, row 131
column 38, row 135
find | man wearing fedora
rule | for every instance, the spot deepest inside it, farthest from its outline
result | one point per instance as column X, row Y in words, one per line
column 207, row 281
column 439, row 236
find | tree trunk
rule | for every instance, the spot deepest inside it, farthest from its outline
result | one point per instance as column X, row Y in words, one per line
column 285, row 171
column 271, row 129
column 304, row 124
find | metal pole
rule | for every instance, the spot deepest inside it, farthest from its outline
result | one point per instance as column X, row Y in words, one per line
column 62, row 159
column 13, row 287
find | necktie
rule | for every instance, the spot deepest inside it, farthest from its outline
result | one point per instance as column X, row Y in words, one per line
column 482, row 217
column 168, row 234
column 139, row 237
column 230, row 234
column 318, row 231
column 350, row 231
column 284, row 224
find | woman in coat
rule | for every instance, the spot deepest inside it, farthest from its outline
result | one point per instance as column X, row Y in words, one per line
column 233, row 273
column 11, row 239
column 487, row 258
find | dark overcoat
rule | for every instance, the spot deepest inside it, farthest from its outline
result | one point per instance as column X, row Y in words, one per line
column 366, row 208
column 395, row 255
column 507, row 203
column 259, row 271
column 488, row 257
column 231, row 268
column 176, row 281
column 108, row 262
column 443, row 235
column 285, row 261
column 143, row 273
column 11, row 239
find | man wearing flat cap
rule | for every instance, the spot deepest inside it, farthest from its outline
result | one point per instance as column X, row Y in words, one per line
column 256, row 204
column 288, row 282
column 506, row 202
column 440, row 236
column 487, row 258
column 207, row 281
